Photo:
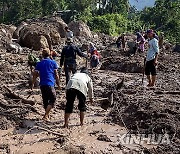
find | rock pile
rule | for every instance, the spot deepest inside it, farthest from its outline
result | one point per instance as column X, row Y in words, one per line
column 6, row 33
column 79, row 28
column 42, row 33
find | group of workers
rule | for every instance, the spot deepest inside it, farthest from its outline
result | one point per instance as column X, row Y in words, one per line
column 155, row 43
column 79, row 84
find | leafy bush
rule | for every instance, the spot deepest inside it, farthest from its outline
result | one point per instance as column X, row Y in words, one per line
column 112, row 24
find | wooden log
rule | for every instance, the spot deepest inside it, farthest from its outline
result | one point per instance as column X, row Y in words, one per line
column 12, row 95
column 168, row 92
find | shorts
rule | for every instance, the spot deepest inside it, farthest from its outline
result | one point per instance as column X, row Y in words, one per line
column 48, row 96
column 71, row 96
column 94, row 61
column 150, row 68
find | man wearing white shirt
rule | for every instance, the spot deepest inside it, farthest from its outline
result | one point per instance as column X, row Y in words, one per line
column 80, row 85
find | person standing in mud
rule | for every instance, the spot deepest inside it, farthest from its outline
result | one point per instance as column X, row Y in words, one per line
column 47, row 70
column 151, row 58
column 80, row 85
column 32, row 61
column 140, row 42
column 68, row 58
column 118, row 42
column 94, row 56
column 121, row 42
column 69, row 33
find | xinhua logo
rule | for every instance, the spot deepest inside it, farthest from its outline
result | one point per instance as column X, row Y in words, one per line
column 151, row 139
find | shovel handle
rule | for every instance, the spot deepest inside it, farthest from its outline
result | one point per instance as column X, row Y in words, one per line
column 99, row 99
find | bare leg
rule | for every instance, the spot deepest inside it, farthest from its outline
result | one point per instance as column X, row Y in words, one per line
column 81, row 118
column 48, row 109
column 153, row 80
column 150, row 80
column 66, row 120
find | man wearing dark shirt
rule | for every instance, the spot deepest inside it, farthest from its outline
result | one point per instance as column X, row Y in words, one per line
column 68, row 58
column 47, row 70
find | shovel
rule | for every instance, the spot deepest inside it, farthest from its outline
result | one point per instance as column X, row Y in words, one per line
column 143, row 71
column 105, row 102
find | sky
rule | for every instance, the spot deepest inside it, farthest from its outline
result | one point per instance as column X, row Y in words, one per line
column 140, row 4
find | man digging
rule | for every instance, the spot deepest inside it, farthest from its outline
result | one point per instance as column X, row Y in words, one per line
column 79, row 85
column 47, row 70
column 151, row 58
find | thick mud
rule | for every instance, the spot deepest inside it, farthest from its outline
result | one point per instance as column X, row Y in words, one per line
column 133, row 109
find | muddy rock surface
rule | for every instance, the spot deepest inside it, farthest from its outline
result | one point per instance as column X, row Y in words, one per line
column 133, row 109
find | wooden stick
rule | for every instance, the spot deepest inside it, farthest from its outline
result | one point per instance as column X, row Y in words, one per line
column 100, row 99
column 15, row 96
column 49, row 131
column 168, row 92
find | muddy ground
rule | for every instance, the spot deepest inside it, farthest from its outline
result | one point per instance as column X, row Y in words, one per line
column 136, row 109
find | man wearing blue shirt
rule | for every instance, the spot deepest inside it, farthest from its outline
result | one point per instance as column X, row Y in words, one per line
column 47, row 70
column 151, row 58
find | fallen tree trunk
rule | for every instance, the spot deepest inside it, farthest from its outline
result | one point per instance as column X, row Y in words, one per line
column 12, row 95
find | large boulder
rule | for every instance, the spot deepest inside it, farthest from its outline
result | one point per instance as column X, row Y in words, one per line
column 79, row 28
column 34, row 40
column 6, row 32
column 16, row 32
column 42, row 33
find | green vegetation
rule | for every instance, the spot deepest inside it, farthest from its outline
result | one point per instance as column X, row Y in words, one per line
column 108, row 16
column 164, row 16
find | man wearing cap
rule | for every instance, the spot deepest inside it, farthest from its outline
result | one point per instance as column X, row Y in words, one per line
column 68, row 58
column 151, row 58
column 47, row 70
column 80, row 85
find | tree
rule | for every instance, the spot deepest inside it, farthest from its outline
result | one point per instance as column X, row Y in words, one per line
column 118, row 6
column 164, row 16
column 49, row 6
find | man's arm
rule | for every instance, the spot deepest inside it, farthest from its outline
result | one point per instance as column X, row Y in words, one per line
column 62, row 57
column 80, row 53
column 35, row 75
column 90, row 91
column 156, row 49
column 155, row 60
column 57, row 78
